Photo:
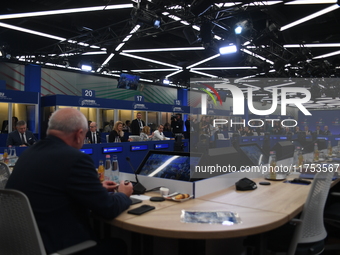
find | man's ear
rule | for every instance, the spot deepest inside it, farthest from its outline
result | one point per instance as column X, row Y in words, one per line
column 79, row 136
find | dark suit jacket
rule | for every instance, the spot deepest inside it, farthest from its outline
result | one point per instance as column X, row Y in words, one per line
column 14, row 138
column 135, row 128
column 112, row 136
column 63, row 186
column 89, row 136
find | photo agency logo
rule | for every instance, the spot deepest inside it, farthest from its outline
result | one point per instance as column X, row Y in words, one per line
column 246, row 96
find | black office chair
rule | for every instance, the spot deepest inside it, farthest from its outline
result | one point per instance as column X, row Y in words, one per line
column 332, row 221
column 19, row 232
column 304, row 235
column 4, row 175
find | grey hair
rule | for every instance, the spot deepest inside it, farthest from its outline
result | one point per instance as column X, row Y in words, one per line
column 68, row 122
column 21, row 123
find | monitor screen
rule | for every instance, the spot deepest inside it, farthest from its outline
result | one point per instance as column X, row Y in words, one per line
column 112, row 149
column 169, row 164
column 161, row 146
column 128, row 81
column 142, row 147
column 254, row 153
column 88, row 151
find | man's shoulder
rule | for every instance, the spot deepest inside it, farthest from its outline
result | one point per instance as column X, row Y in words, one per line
column 13, row 133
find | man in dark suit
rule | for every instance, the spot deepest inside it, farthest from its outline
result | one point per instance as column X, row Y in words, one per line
column 177, row 124
column 21, row 137
column 137, row 124
column 318, row 131
column 93, row 135
column 326, row 131
column 63, row 187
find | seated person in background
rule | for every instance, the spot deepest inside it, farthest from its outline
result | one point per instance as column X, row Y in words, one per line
column 5, row 122
column 307, row 131
column 126, row 127
column 144, row 134
column 240, row 131
column 286, row 131
column 297, row 130
column 108, row 128
column 62, row 185
column 158, row 134
column 93, row 135
column 247, row 132
column 117, row 134
column 326, row 131
column 277, row 130
column 21, row 137
column 318, row 131
column 167, row 127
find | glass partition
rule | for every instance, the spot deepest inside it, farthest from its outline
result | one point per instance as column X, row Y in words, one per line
column 153, row 120
column 4, row 117
column 14, row 111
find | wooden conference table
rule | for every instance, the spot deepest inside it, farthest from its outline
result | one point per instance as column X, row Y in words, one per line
column 260, row 210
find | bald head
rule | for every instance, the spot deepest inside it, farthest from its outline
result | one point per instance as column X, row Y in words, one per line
column 70, row 125
column 67, row 120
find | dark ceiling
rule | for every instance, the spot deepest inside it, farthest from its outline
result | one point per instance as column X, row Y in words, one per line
column 106, row 29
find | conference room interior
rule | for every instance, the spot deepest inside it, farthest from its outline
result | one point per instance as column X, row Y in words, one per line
column 185, row 76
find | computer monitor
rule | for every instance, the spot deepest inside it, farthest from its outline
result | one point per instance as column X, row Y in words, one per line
column 169, row 164
column 252, row 154
column 322, row 144
column 284, row 149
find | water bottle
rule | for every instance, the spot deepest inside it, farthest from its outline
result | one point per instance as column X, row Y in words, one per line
column 115, row 169
column 107, row 174
column 330, row 149
column 5, row 156
column 316, row 153
column 300, row 158
column 272, row 165
column 101, row 171
column 117, row 139
column 296, row 157
column 13, row 158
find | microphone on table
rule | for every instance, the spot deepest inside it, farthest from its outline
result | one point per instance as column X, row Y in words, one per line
column 138, row 188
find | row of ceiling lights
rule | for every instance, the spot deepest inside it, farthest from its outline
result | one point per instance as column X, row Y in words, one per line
column 176, row 69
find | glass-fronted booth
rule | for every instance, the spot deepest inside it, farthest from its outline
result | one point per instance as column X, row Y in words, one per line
column 15, row 106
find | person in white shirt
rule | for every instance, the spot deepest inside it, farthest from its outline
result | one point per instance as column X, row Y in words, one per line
column 158, row 134
column 144, row 135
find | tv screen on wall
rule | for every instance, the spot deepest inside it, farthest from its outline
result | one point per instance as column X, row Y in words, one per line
column 128, row 81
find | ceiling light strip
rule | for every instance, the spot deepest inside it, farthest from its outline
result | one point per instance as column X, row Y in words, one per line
column 119, row 46
column 94, row 53
column 263, row 3
column 146, row 80
column 29, row 31
column 204, row 74
column 154, row 70
column 257, row 56
column 105, row 62
column 65, row 11
column 149, row 60
column 312, row 45
column 225, row 68
column 164, row 49
column 134, row 30
column 328, row 55
column 296, row 2
column 32, row 32
column 204, row 60
column 174, row 73
column 309, row 17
